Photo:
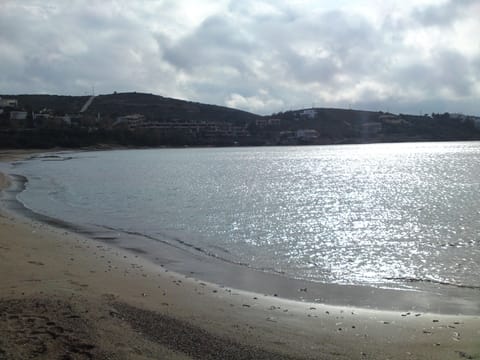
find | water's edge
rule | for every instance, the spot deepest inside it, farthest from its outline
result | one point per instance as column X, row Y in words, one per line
column 437, row 299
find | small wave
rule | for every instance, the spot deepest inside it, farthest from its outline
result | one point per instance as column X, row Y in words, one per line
column 433, row 281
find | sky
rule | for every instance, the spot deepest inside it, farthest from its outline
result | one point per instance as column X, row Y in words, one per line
column 401, row 56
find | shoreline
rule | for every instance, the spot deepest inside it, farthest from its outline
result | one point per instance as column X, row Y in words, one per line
column 44, row 264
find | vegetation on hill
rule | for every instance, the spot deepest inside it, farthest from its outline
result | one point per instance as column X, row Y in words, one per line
column 159, row 108
column 139, row 119
column 61, row 104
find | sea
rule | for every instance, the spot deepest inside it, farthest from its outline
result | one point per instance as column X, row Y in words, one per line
column 381, row 215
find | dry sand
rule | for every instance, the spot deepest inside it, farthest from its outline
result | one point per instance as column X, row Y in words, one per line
column 64, row 296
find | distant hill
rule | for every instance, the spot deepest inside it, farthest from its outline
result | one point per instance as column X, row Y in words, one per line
column 353, row 126
column 329, row 122
column 164, row 121
column 154, row 107
column 159, row 108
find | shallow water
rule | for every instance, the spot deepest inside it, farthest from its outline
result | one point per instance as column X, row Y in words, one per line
column 389, row 215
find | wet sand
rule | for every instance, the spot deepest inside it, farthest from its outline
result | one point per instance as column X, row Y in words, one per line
column 66, row 296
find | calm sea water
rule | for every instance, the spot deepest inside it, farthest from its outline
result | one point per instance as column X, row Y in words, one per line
column 383, row 215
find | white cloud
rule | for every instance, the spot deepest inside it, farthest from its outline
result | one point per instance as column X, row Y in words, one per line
column 257, row 103
column 262, row 56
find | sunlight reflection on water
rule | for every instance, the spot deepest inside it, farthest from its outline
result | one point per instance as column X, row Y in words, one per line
column 359, row 214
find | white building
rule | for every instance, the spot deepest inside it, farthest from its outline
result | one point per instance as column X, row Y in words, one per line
column 372, row 127
column 274, row 122
column 132, row 121
column 64, row 119
column 8, row 103
column 18, row 115
column 476, row 121
column 307, row 134
column 458, row 116
column 310, row 113
column 262, row 122
column 390, row 119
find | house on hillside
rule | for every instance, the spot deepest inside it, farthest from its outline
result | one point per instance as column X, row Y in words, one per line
column 41, row 119
column 64, row 119
column 274, row 122
column 261, row 122
column 459, row 117
column 476, row 121
column 310, row 113
column 287, row 138
column 18, row 115
column 46, row 118
column 13, row 103
column 371, row 128
column 18, row 119
column 307, row 135
column 390, row 119
column 130, row 122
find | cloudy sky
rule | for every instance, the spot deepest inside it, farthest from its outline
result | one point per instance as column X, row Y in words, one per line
column 264, row 56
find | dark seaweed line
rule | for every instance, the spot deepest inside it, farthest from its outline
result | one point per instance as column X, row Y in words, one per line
column 190, row 246
column 166, row 242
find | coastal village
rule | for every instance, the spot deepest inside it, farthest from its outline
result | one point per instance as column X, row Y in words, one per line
column 146, row 119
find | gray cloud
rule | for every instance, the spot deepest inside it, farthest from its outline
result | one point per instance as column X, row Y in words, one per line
column 262, row 56
column 216, row 42
column 455, row 73
column 443, row 14
column 449, row 72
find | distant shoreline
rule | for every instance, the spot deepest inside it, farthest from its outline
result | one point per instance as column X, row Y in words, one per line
column 107, row 147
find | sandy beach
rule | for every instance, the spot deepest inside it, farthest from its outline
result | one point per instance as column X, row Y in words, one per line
column 66, row 296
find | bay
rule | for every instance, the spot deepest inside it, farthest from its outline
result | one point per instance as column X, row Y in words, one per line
column 386, row 215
